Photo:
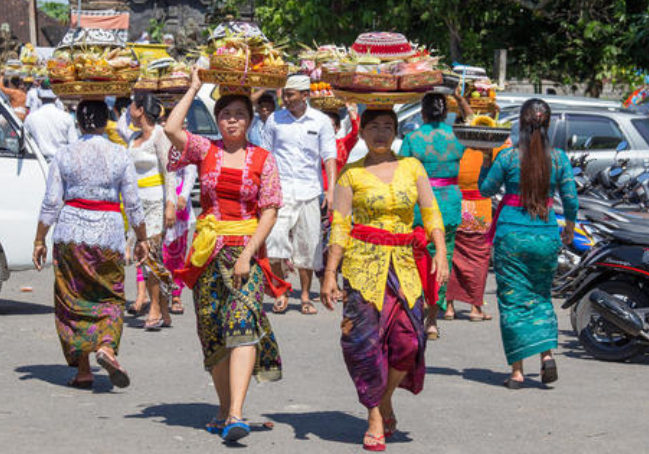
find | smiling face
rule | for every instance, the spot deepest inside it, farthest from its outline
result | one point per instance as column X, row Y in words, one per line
column 233, row 121
column 294, row 100
column 379, row 133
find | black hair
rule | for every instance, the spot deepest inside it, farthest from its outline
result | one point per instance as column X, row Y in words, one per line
column 266, row 98
column 15, row 81
column 370, row 115
column 433, row 107
column 152, row 106
column 335, row 117
column 92, row 115
column 225, row 101
column 122, row 103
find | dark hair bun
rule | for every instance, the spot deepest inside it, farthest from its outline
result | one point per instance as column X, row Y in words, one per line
column 152, row 106
column 92, row 115
column 433, row 107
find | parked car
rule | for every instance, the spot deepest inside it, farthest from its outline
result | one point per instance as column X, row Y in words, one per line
column 578, row 126
column 23, row 173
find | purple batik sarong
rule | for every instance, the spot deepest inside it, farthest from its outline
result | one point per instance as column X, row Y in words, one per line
column 373, row 342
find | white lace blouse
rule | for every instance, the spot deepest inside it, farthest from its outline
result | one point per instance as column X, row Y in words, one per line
column 92, row 168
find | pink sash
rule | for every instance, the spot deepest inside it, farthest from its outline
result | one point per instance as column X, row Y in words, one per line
column 511, row 200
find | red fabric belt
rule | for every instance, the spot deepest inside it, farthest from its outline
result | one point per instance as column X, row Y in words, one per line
column 93, row 205
column 440, row 182
column 472, row 194
column 416, row 239
column 511, row 200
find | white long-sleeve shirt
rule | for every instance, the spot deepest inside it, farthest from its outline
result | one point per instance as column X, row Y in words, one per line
column 51, row 128
column 300, row 145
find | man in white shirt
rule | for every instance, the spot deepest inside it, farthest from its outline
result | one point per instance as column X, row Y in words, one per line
column 300, row 138
column 33, row 102
column 51, row 127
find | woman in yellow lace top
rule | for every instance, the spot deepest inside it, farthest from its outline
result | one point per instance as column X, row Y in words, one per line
column 387, row 271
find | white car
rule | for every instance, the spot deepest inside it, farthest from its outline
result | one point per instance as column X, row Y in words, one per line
column 23, row 173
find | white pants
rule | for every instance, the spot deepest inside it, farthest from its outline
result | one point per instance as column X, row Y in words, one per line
column 297, row 234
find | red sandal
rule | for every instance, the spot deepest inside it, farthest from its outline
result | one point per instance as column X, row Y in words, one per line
column 392, row 423
column 378, row 447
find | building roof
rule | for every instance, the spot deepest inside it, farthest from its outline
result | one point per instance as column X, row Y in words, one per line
column 16, row 14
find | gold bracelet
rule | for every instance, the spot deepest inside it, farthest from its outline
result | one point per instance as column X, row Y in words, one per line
column 39, row 242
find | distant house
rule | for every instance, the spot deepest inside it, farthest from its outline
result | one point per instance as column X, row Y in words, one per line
column 16, row 14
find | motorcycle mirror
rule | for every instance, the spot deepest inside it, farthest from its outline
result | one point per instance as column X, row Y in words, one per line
column 624, row 145
column 615, row 172
column 576, row 171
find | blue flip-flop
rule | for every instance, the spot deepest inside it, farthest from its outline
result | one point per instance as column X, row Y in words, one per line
column 236, row 430
column 215, row 426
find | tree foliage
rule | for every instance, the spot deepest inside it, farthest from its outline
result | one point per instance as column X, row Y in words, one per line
column 590, row 41
column 59, row 11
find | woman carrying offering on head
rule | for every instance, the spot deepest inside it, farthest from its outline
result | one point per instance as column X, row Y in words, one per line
column 435, row 145
column 388, row 272
column 85, row 183
column 227, row 265
column 527, row 242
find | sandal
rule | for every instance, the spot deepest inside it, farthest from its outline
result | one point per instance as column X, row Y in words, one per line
column 80, row 384
column 549, row 371
column 379, row 444
column 215, row 426
column 481, row 317
column 390, row 426
column 176, row 306
column 432, row 335
column 235, row 430
column 281, row 304
column 132, row 310
column 308, row 308
column 116, row 373
column 154, row 325
column 513, row 384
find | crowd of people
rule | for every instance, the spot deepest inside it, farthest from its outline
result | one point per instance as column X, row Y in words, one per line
column 395, row 237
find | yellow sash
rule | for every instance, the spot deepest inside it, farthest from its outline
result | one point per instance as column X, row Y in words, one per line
column 151, row 182
column 209, row 229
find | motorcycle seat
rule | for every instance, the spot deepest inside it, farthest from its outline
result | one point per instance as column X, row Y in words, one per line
column 628, row 237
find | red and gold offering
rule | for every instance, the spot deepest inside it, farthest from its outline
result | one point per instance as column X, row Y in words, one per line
column 239, row 54
column 311, row 62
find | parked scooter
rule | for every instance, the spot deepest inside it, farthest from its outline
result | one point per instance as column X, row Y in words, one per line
column 618, row 266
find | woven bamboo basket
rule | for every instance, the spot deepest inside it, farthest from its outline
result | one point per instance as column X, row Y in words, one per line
column 481, row 136
column 328, row 103
column 175, row 84
column 76, row 90
column 378, row 100
column 261, row 80
column 62, row 74
column 127, row 75
column 278, row 70
column 227, row 63
column 146, row 85
column 477, row 107
column 482, row 103
column 367, row 82
column 423, row 81
column 96, row 73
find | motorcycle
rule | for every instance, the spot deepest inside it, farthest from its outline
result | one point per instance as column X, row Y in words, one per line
column 608, row 291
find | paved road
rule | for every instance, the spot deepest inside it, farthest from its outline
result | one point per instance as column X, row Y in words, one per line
column 596, row 407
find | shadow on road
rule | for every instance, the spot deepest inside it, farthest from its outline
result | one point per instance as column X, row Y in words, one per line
column 484, row 376
column 193, row 415
column 333, row 426
column 59, row 374
column 12, row 307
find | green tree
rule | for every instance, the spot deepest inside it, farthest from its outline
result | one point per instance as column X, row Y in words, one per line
column 59, row 11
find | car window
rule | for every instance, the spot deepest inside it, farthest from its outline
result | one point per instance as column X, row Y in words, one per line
column 199, row 119
column 9, row 143
column 554, row 122
column 642, row 126
column 592, row 133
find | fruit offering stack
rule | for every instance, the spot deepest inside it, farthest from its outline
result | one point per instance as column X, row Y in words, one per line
column 238, row 58
column 93, row 64
column 164, row 75
column 482, row 131
column 479, row 91
column 384, row 62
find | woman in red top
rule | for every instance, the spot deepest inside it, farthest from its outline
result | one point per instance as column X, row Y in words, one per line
column 226, row 267
column 345, row 144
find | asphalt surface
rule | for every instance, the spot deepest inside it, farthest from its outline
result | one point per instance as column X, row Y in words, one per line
column 596, row 407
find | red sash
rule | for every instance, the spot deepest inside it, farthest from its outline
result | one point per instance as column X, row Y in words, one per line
column 416, row 239
column 472, row 195
column 511, row 200
column 440, row 182
column 93, row 205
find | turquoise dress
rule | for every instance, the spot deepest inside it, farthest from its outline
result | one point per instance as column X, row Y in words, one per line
column 525, row 256
column 435, row 145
